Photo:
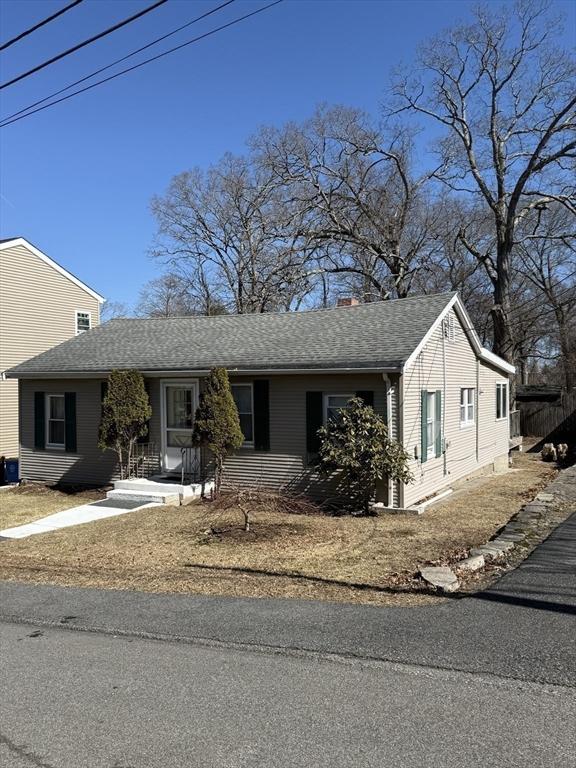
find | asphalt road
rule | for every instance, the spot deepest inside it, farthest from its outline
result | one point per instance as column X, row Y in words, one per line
column 78, row 700
column 129, row 680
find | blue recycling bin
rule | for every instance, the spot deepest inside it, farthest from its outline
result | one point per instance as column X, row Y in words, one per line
column 11, row 470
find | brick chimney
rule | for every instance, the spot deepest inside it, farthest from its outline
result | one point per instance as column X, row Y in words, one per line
column 347, row 301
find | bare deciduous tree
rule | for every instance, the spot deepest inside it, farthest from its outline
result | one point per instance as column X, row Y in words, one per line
column 548, row 263
column 504, row 90
column 227, row 228
column 354, row 193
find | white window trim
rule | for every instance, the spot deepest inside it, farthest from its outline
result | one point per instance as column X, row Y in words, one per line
column 502, row 385
column 47, row 419
column 247, row 443
column 326, row 397
column 82, row 312
column 431, row 419
column 466, row 422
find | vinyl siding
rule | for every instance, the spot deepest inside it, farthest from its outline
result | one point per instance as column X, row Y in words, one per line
column 9, row 418
column 89, row 465
column 467, row 448
column 283, row 466
column 37, row 311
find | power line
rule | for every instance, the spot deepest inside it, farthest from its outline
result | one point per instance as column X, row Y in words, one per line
column 93, row 39
column 118, row 61
column 146, row 61
column 40, row 24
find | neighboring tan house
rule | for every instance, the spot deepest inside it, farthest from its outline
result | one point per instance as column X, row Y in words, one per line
column 417, row 361
column 41, row 304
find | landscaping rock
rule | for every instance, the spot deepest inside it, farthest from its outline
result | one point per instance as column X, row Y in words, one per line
column 512, row 536
column 537, row 507
column 473, row 563
column 504, row 544
column 442, row 577
column 489, row 553
column 545, row 497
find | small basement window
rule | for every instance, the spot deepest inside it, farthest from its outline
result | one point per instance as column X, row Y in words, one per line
column 55, row 421
column 243, row 397
column 502, row 400
column 83, row 321
column 333, row 404
column 467, row 406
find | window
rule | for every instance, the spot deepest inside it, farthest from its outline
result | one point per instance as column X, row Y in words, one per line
column 502, row 400
column 83, row 322
column 333, row 404
column 242, row 394
column 55, row 421
column 467, row 406
column 430, row 424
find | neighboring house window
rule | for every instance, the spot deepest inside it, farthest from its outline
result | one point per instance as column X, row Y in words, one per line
column 467, row 406
column 333, row 404
column 55, row 421
column 502, row 400
column 83, row 322
column 243, row 397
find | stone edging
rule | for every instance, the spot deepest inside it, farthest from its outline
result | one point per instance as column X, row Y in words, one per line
column 522, row 526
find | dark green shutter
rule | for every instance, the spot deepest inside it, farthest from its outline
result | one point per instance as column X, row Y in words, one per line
column 146, row 436
column 103, row 392
column 314, row 420
column 423, row 425
column 39, row 420
column 438, row 423
column 261, row 391
column 367, row 396
column 70, row 423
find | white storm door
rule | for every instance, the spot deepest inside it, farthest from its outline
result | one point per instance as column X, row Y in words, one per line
column 179, row 402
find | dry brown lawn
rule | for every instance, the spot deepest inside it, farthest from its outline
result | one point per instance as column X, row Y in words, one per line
column 32, row 501
column 370, row 559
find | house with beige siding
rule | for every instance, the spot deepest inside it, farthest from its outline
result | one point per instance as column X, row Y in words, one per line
column 417, row 361
column 41, row 305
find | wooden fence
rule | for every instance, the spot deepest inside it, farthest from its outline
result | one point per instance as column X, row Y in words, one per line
column 554, row 422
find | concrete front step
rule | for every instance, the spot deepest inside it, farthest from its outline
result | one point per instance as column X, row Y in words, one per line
column 157, row 489
column 146, row 497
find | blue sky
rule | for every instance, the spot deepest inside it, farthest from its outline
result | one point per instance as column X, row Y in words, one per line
column 77, row 179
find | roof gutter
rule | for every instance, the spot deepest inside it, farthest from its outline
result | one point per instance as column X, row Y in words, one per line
column 198, row 372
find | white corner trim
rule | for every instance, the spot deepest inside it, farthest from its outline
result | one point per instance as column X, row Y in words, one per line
column 21, row 241
column 464, row 317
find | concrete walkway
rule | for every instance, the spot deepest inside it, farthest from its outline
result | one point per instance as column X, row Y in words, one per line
column 85, row 513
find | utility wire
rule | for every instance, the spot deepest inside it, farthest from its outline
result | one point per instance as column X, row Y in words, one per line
column 40, row 24
column 83, row 44
column 146, row 61
column 118, row 61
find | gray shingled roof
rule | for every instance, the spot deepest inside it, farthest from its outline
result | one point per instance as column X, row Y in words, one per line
column 377, row 335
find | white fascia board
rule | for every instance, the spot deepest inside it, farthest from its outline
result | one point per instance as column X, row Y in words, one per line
column 429, row 333
column 497, row 361
column 32, row 248
column 464, row 317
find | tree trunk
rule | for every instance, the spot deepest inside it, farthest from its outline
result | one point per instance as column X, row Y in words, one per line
column 568, row 354
column 219, row 470
column 503, row 338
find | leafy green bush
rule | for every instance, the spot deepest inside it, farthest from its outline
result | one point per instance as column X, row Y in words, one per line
column 357, row 444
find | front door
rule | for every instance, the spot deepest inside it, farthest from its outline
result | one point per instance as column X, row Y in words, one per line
column 179, row 402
